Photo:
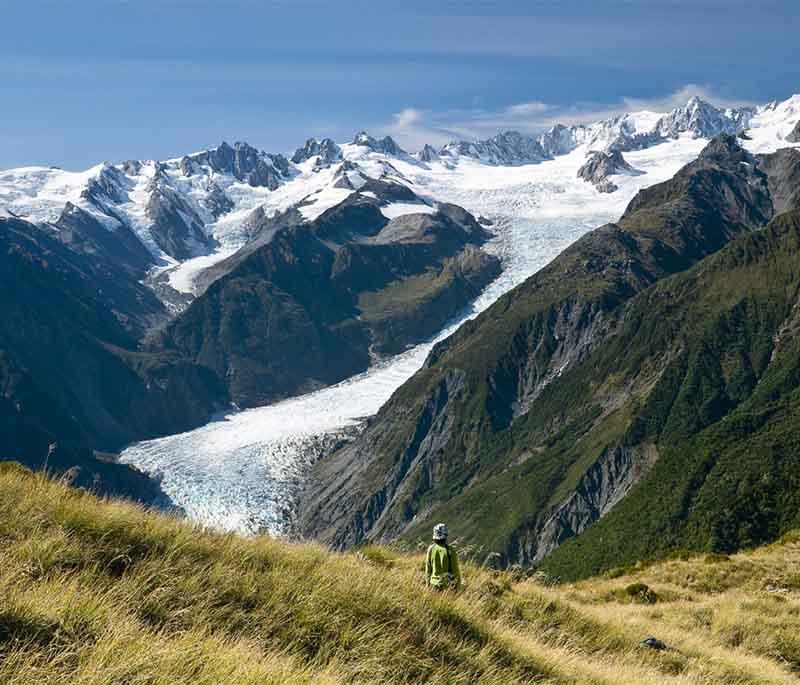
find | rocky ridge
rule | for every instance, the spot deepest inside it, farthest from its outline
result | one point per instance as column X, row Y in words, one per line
column 462, row 427
column 600, row 165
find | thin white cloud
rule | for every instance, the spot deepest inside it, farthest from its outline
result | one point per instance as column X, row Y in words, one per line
column 524, row 109
column 407, row 117
column 413, row 127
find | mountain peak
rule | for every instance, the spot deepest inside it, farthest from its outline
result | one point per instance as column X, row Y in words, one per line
column 505, row 148
column 696, row 101
column 326, row 149
column 386, row 145
column 701, row 119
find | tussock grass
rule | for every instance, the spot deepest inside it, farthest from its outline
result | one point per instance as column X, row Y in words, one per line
column 102, row 592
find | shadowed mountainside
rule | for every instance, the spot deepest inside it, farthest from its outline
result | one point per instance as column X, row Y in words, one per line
column 537, row 418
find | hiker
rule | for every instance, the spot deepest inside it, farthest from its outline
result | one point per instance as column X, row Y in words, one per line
column 441, row 562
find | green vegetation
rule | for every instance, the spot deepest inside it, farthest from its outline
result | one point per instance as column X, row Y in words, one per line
column 648, row 379
column 725, row 413
column 102, row 592
column 415, row 306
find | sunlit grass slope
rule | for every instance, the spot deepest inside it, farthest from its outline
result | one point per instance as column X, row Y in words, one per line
column 103, row 592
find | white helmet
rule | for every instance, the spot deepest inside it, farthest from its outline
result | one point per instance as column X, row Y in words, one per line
column 440, row 531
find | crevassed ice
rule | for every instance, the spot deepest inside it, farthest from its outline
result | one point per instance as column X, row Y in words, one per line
column 244, row 470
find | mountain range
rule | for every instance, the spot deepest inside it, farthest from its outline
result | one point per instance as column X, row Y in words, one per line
column 631, row 379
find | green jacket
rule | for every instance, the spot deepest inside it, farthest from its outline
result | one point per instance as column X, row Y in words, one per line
column 441, row 566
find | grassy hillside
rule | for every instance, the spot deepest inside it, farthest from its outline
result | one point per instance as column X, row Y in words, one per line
column 645, row 375
column 98, row 592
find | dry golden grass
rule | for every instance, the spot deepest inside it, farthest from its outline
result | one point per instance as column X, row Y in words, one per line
column 98, row 593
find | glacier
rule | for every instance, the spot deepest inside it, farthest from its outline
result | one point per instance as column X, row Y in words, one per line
column 244, row 470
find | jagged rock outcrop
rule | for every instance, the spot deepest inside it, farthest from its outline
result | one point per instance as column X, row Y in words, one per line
column 175, row 226
column 349, row 175
column 703, row 120
column 603, row 485
column 561, row 139
column 386, row 145
column 537, row 416
column 600, row 165
column 794, row 135
column 216, row 201
column 510, row 147
column 326, row 150
column 109, row 184
column 427, row 154
column 627, row 132
column 242, row 161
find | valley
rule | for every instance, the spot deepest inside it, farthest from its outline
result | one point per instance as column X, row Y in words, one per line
column 276, row 309
column 245, row 471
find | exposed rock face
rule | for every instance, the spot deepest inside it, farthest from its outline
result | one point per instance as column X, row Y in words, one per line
column 131, row 167
column 783, row 174
column 348, row 481
column 794, row 136
column 116, row 247
column 328, row 152
column 386, row 145
column 703, row 120
column 110, row 184
column 510, row 428
column 625, row 133
column 242, row 161
column 509, row 148
column 600, row 165
column 216, row 201
column 603, row 485
column 350, row 176
column 559, row 140
column 427, row 154
column 176, row 228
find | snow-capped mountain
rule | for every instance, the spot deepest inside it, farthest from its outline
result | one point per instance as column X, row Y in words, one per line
column 193, row 211
column 626, row 132
column 505, row 149
column 703, row 120
column 143, row 241
column 326, row 151
column 386, row 145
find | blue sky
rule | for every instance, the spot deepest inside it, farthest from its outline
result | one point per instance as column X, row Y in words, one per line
column 85, row 81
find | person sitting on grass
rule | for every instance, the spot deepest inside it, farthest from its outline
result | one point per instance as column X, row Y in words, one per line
column 441, row 562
